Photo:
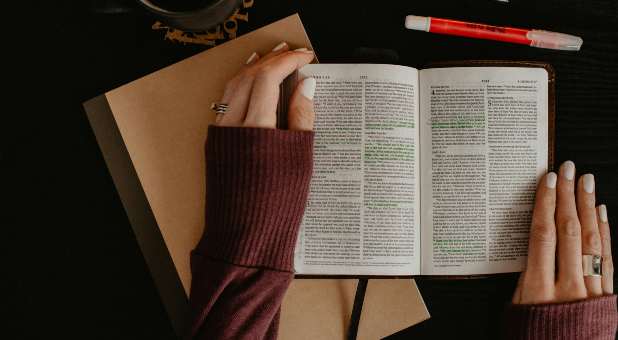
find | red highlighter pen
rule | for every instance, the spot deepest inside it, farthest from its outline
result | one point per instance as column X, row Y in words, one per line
column 535, row 38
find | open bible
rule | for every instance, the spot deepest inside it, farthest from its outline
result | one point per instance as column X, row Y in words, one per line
column 425, row 172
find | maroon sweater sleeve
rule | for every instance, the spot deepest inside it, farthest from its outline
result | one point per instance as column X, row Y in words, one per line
column 594, row 318
column 257, row 185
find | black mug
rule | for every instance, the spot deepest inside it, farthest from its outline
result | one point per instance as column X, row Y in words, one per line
column 194, row 15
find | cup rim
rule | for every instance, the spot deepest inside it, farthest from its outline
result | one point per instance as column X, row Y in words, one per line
column 159, row 10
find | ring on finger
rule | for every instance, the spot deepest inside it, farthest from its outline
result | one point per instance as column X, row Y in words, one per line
column 219, row 108
column 592, row 265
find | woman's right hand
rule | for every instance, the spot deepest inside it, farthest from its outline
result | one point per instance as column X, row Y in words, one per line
column 565, row 226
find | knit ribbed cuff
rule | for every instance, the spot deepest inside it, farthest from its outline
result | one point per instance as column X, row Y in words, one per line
column 594, row 318
column 257, row 186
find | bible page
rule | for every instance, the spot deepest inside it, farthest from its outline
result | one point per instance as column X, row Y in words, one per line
column 362, row 213
column 483, row 147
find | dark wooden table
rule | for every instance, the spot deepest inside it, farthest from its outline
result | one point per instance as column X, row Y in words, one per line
column 74, row 269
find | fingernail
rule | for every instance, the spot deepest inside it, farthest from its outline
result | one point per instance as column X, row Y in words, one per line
column 603, row 213
column 307, row 88
column 302, row 49
column 588, row 180
column 280, row 46
column 550, row 180
column 251, row 58
column 568, row 170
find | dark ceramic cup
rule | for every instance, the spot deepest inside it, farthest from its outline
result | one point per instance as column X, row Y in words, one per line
column 194, row 15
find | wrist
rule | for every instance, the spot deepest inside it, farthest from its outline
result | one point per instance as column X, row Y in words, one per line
column 593, row 318
column 257, row 186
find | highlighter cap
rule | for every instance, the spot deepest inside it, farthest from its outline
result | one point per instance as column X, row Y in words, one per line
column 554, row 40
column 414, row 22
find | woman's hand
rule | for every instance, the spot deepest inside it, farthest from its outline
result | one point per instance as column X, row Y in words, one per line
column 252, row 95
column 565, row 225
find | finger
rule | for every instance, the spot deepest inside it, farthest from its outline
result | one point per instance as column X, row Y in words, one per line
column 253, row 58
column 230, row 87
column 542, row 244
column 570, row 274
column 301, row 113
column 282, row 47
column 265, row 93
column 591, row 238
column 607, row 280
column 237, row 94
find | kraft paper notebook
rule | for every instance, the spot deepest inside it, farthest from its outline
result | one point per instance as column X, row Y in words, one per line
column 152, row 133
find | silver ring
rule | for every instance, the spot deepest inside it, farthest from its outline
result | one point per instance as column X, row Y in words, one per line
column 219, row 108
column 592, row 265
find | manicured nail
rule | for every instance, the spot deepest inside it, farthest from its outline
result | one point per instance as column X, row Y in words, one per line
column 550, row 180
column 307, row 88
column 588, row 180
column 603, row 213
column 251, row 58
column 302, row 49
column 568, row 170
column 280, row 46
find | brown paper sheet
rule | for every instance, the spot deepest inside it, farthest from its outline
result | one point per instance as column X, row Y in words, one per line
column 316, row 309
column 153, row 138
column 390, row 306
column 163, row 119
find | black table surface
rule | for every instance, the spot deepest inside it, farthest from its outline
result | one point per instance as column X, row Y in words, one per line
column 74, row 269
